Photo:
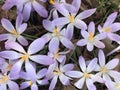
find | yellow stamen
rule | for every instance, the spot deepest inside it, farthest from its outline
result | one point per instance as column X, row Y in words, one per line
column 56, row 32
column 91, row 36
column 107, row 29
column 52, row 2
column 103, row 70
column 25, row 57
column 57, row 72
column 30, row 83
column 117, row 85
column 86, row 75
column 56, row 55
column 14, row 32
column 4, row 79
column 9, row 67
column 71, row 18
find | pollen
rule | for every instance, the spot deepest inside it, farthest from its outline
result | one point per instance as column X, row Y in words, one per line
column 56, row 55
column 103, row 70
column 57, row 72
column 25, row 57
column 56, row 32
column 14, row 32
column 91, row 37
column 52, row 2
column 4, row 79
column 71, row 18
column 117, row 85
column 30, row 83
column 86, row 75
column 107, row 29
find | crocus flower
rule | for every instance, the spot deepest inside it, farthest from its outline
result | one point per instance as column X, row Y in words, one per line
column 39, row 79
column 7, row 80
column 72, row 19
column 33, row 5
column 109, row 28
column 56, row 35
column 106, row 70
column 14, row 33
column 54, row 72
column 26, row 57
column 86, row 74
column 90, row 40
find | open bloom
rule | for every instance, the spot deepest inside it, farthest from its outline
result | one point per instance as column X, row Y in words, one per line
column 106, row 70
column 39, row 79
column 25, row 57
column 90, row 40
column 109, row 28
column 86, row 74
column 7, row 80
column 54, row 72
column 72, row 19
column 14, row 33
column 56, row 35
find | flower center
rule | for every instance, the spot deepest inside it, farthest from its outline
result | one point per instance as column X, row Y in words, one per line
column 15, row 33
column 103, row 70
column 86, row 75
column 117, row 85
column 4, row 79
column 9, row 66
column 30, row 83
column 25, row 57
column 107, row 29
column 91, row 38
column 57, row 72
column 56, row 55
column 52, row 2
column 71, row 18
column 56, row 32
column 31, row 0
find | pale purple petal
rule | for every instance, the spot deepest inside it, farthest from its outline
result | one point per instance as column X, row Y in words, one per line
column 90, row 46
column 40, row 9
column 16, row 68
column 61, row 21
column 4, row 36
column 79, row 84
column 55, row 14
column 22, row 28
column 24, row 85
column 100, row 36
column 111, row 18
column 64, row 79
column 53, row 83
column 61, row 58
column 66, row 67
column 26, row 11
column 30, row 70
column 80, row 24
column 22, row 40
column 100, row 28
column 36, row 45
column 101, row 57
column 19, row 20
column 114, row 74
column 90, row 84
column 34, row 87
column 97, row 78
column 115, row 27
column 114, row 37
column 3, row 87
column 13, row 86
column 42, row 59
column 84, row 33
column 42, row 73
column 11, row 55
column 74, row 74
column 92, row 65
column 91, row 27
column 47, row 37
column 54, row 44
column 82, row 63
column 48, row 25
column 81, row 42
column 67, row 43
column 7, row 25
column 112, row 64
column 99, row 44
column 86, row 13
column 76, row 4
column 43, row 82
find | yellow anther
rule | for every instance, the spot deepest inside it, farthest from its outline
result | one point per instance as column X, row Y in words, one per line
column 25, row 57
column 56, row 32
column 30, row 83
column 14, row 32
column 56, row 55
column 107, row 29
column 71, row 18
column 103, row 70
column 91, row 36
column 4, row 79
column 57, row 72
column 117, row 85
column 52, row 2
column 86, row 75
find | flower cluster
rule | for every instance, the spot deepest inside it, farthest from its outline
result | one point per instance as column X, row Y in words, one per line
column 25, row 62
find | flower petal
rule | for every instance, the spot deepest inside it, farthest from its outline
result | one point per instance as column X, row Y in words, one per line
column 99, row 44
column 115, row 27
column 90, row 84
column 22, row 41
column 81, row 42
column 91, row 27
column 64, row 79
column 66, row 67
column 82, row 63
column 79, row 84
column 3, row 87
column 53, row 83
column 4, row 37
column 34, row 87
column 90, row 46
column 40, row 9
column 42, row 82
column 76, row 4
column 84, row 33
column 19, row 20
column 7, row 25
column 114, row 74
column 74, row 74
column 114, row 37
column 24, row 85
column 114, row 50
column 42, row 73
column 101, row 57
column 22, row 28
column 13, row 86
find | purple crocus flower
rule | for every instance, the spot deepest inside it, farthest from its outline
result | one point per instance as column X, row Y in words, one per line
column 90, row 40
column 54, row 72
column 7, row 80
column 56, row 35
column 86, row 74
column 109, row 28
column 106, row 70
column 14, row 33
column 26, row 57
column 72, row 19
column 39, row 79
